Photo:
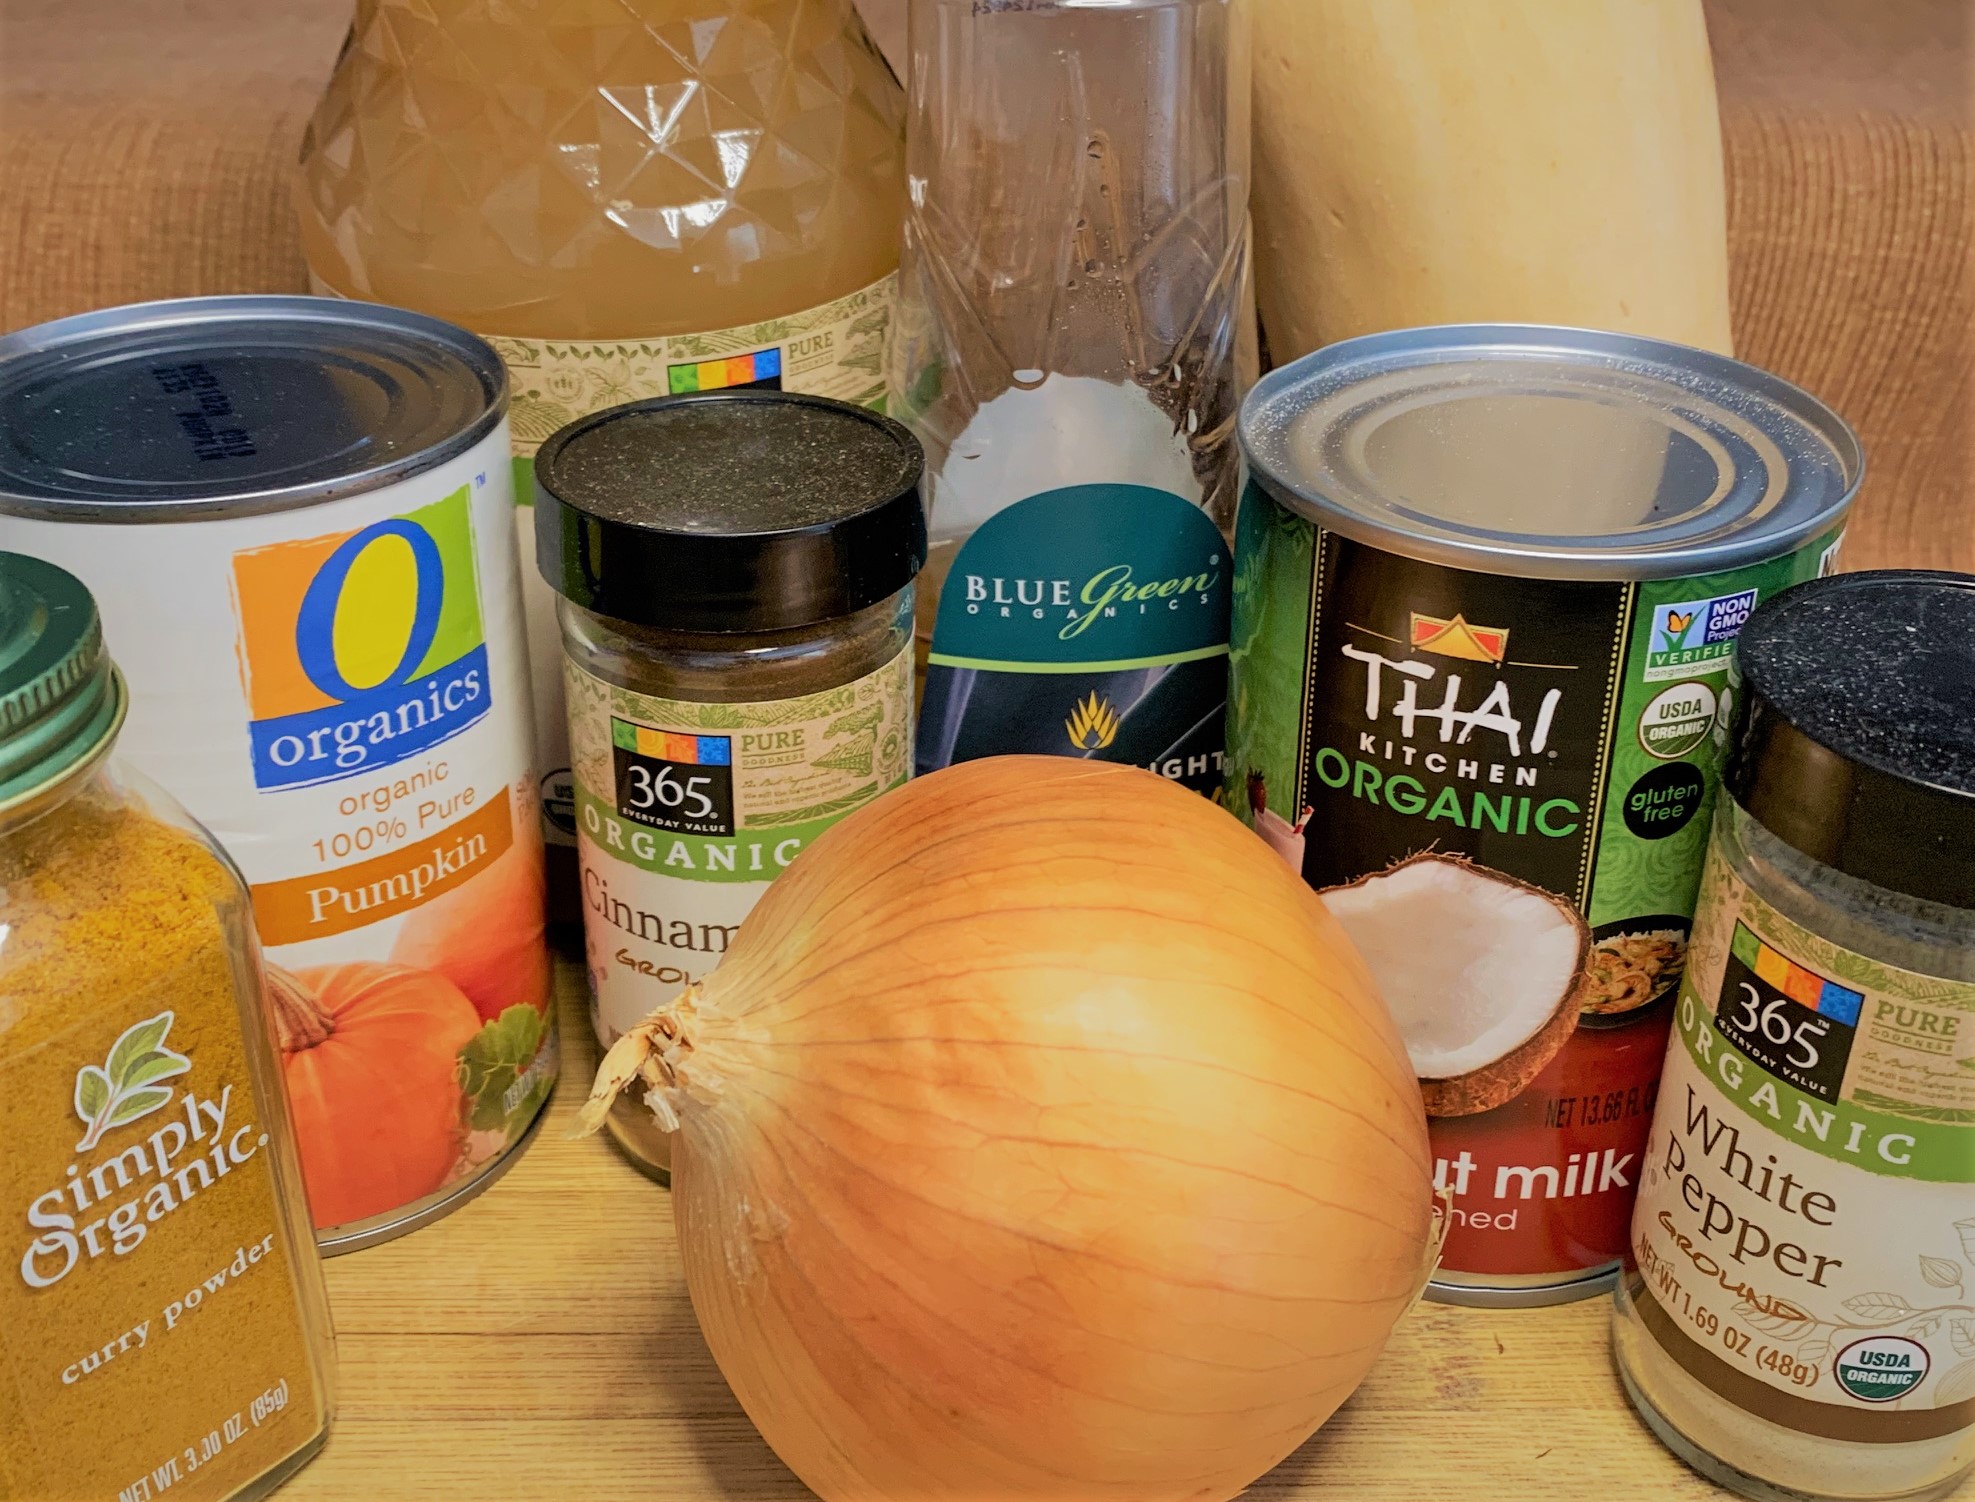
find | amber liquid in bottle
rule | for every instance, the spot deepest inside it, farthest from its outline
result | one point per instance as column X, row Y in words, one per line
column 604, row 169
column 630, row 198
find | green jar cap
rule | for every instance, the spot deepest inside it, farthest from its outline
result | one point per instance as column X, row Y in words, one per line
column 62, row 701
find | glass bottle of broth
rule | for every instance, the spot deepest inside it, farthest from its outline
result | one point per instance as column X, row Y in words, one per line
column 631, row 198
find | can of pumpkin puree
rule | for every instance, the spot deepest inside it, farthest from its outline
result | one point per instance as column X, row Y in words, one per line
column 297, row 516
column 1488, row 583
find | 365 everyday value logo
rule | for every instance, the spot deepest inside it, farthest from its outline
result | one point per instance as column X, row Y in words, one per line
column 361, row 648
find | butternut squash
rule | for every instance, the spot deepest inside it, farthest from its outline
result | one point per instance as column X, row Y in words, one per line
column 1451, row 161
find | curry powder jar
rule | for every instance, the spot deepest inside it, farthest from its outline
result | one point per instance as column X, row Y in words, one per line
column 162, row 1317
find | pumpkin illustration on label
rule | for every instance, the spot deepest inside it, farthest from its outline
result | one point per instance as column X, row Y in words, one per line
column 370, row 1056
column 486, row 935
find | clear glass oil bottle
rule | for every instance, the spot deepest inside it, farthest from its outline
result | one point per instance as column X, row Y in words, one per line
column 1075, row 331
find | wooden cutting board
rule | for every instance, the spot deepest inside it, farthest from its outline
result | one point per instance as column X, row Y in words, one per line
column 540, row 1343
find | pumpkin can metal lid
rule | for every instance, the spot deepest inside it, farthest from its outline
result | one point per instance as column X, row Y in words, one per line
column 1550, row 452
column 227, row 406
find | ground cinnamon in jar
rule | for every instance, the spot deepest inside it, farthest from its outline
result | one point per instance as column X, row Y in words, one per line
column 162, row 1321
column 736, row 578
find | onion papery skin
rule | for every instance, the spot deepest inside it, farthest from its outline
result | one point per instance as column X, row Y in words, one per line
column 1043, row 1137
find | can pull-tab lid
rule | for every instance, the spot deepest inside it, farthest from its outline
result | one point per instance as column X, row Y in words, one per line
column 61, row 699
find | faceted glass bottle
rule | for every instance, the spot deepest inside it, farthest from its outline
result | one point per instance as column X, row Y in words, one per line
column 629, row 198
column 604, row 169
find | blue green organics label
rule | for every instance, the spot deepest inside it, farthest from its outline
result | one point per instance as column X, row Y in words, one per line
column 1089, row 621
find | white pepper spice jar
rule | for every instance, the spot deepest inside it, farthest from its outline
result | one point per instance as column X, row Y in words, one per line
column 1802, row 1319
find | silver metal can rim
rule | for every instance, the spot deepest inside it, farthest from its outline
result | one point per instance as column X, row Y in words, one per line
column 1531, row 1291
column 473, row 351
column 1540, row 556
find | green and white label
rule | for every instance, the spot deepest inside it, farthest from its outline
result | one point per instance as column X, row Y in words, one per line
column 1569, row 732
column 1805, row 1229
column 686, row 811
column 1090, row 621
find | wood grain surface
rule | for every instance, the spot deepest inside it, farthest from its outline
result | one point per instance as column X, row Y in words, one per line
column 540, row 1343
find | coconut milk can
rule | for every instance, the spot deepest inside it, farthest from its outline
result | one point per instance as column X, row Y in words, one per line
column 1488, row 583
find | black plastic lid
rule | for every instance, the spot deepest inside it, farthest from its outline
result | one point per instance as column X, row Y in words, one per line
column 1858, row 748
column 730, row 511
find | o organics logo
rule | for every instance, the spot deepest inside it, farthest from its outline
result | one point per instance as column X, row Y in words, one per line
column 362, row 648
column 1092, row 725
column 125, row 1087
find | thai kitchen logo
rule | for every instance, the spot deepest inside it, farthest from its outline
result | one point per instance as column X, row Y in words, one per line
column 1696, row 636
column 361, row 648
column 121, row 1185
column 1456, row 638
column 1457, row 712
column 1093, row 724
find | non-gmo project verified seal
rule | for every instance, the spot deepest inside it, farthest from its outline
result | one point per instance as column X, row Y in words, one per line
column 1696, row 636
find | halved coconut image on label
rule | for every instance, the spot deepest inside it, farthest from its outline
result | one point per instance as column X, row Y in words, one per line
column 1493, row 997
column 1634, row 970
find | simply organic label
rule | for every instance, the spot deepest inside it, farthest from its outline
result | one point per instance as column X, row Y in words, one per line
column 1090, row 621
column 687, row 811
column 1805, row 1231
column 834, row 350
column 143, row 1219
column 1568, row 733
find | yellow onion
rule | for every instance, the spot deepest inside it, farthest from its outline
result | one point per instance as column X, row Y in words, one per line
column 1041, row 1136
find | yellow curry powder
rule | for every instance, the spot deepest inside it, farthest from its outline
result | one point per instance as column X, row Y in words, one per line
column 160, row 1329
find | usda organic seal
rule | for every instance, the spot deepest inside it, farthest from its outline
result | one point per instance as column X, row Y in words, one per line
column 1882, row 1369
